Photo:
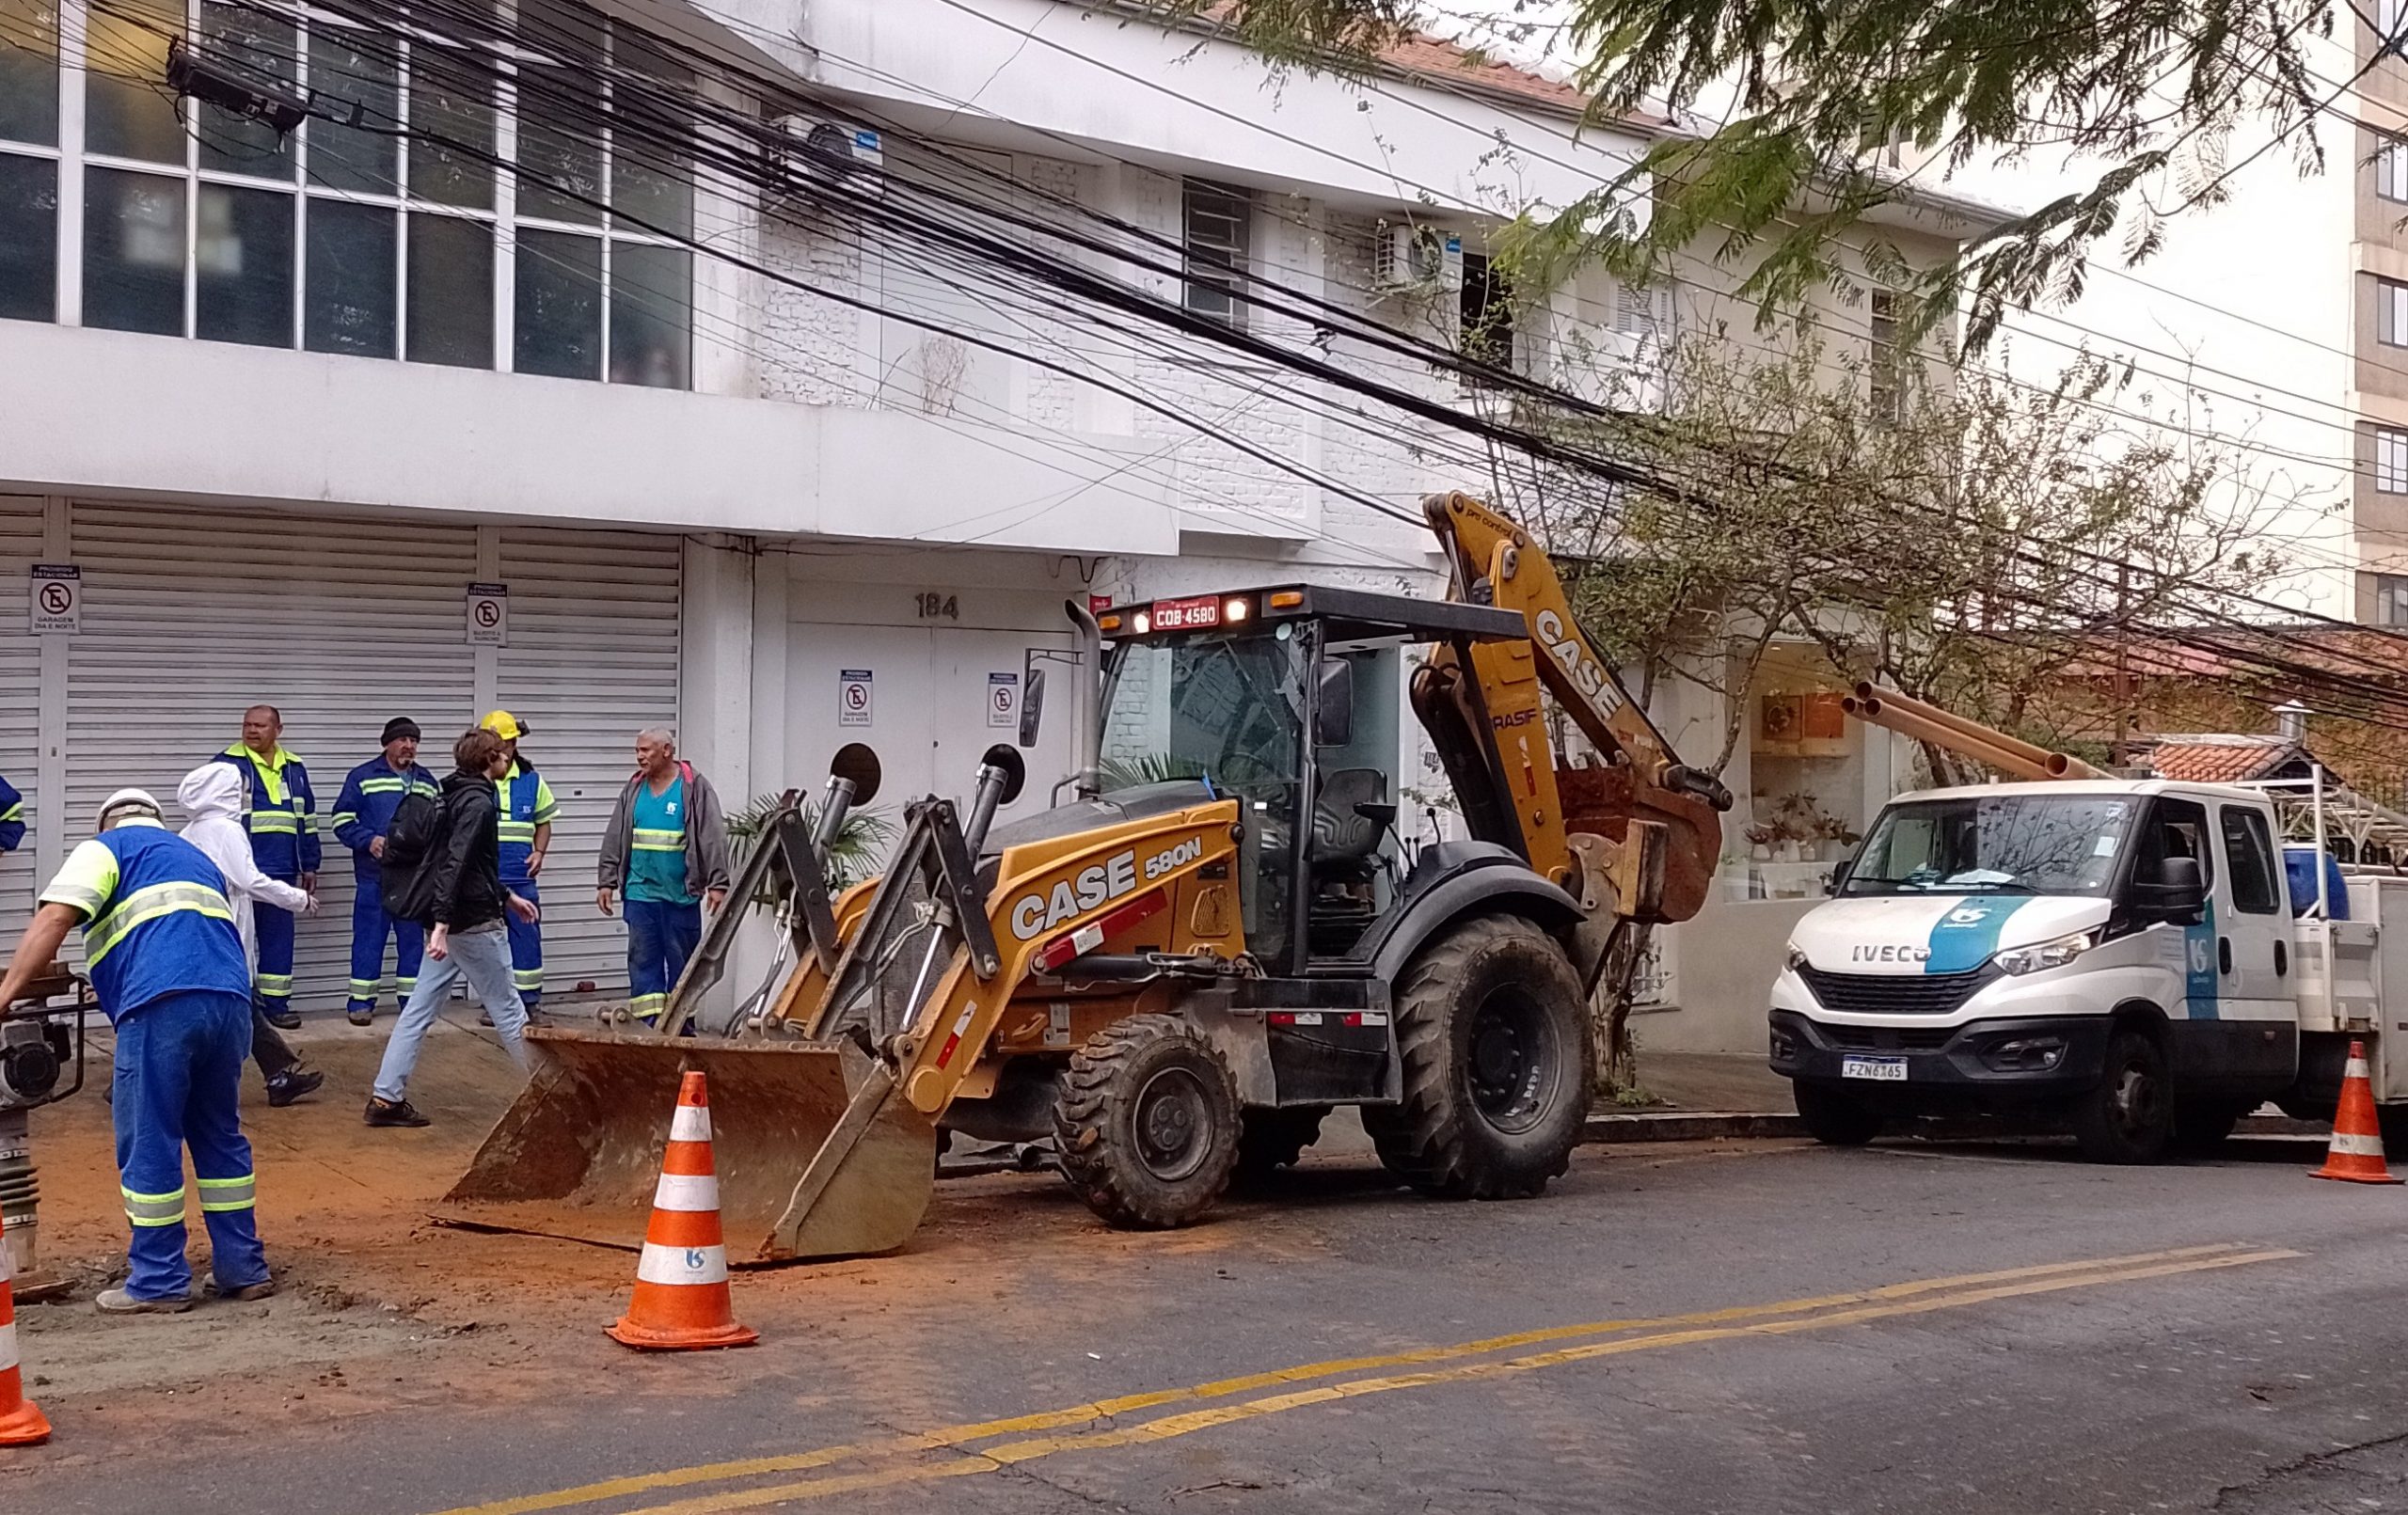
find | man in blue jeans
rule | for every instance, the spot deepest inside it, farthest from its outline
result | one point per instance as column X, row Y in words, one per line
column 168, row 967
column 666, row 848
column 464, row 904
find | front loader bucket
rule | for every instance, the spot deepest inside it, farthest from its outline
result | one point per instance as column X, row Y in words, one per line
column 578, row 1153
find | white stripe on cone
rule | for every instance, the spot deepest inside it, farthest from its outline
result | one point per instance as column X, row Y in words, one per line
column 686, row 1191
column 2357, row 1068
column 2351, row 1145
column 8, row 1346
column 682, row 1264
column 693, row 1123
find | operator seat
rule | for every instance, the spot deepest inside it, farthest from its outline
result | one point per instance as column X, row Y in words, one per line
column 1351, row 810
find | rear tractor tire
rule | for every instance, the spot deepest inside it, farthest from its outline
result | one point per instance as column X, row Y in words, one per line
column 1147, row 1123
column 1493, row 1031
column 1270, row 1140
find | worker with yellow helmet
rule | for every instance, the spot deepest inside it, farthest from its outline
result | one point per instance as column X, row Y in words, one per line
column 528, row 811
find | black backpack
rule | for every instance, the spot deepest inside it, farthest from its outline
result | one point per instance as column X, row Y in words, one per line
column 409, row 887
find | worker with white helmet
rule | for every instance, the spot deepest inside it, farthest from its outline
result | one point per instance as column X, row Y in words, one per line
column 166, row 966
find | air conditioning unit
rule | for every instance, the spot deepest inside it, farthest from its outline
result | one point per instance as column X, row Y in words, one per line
column 1407, row 258
column 824, row 164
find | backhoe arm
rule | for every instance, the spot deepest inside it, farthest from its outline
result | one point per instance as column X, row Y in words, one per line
column 1496, row 563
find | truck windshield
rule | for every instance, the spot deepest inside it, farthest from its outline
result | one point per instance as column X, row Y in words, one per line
column 1226, row 708
column 2006, row 843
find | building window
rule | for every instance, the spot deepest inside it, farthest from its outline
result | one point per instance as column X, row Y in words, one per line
column 2390, row 460
column 2391, row 600
column 2391, row 171
column 2391, row 312
column 1644, row 315
column 1487, row 313
column 28, row 160
column 351, row 241
column 1882, row 367
column 1219, row 232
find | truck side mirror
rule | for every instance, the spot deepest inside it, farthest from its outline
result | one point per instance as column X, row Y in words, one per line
column 1333, row 707
column 1839, row 876
column 2180, row 892
column 1032, row 707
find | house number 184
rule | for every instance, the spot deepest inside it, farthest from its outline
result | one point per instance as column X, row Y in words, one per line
column 934, row 606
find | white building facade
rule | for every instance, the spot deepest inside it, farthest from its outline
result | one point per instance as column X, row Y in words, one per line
column 364, row 426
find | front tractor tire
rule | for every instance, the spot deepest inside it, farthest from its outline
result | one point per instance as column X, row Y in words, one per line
column 1493, row 1031
column 1147, row 1123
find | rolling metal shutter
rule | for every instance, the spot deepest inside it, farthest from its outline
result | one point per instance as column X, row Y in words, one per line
column 592, row 659
column 19, row 696
column 191, row 614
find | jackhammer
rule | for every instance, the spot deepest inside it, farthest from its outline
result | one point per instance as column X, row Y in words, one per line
column 41, row 1061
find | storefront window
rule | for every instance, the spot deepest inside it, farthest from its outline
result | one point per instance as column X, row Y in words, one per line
column 1810, row 785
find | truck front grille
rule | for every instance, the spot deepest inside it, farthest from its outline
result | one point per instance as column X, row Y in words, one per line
column 1894, row 994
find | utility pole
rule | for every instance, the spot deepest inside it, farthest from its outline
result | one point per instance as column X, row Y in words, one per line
column 2119, row 750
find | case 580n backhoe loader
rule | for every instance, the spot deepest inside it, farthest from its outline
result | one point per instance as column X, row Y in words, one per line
column 1186, row 965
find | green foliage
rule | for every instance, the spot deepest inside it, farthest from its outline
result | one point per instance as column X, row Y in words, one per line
column 858, row 851
column 1809, row 98
column 1957, row 542
column 1153, row 767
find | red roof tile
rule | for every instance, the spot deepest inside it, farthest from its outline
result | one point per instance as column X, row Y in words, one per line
column 2221, row 759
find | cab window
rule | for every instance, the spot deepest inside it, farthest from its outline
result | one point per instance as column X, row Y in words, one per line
column 2249, row 851
column 2176, row 828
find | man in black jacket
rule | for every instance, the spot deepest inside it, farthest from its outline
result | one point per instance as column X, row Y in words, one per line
column 464, row 918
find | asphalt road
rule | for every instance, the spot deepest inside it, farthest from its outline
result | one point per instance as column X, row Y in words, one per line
column 1969, row 1329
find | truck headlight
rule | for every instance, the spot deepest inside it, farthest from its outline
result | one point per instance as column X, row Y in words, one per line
column 1795, row 958
column 2044, row 955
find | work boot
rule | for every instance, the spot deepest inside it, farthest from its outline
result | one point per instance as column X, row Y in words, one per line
column 359, row 1016
column 286, row 1019
column 393, row 1113
column 485, row 1017
column 118, row 1302
column 249, row 1292
column 292, row 1083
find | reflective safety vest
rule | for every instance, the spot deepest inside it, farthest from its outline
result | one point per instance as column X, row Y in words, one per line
column 12, row 818
column 525, row 803
column 364, row 811
column 283, row 822
column 155, row 918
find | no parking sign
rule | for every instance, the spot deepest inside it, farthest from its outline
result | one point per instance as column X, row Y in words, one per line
column 853, row 696
column 1002, row 700
column 57, row 597
column 488, row 615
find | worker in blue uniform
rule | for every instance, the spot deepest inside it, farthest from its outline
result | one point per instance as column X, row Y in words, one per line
column 12, row 817
column 166, row 966
column 284, row 842
column 363, row 813
column 528, row 811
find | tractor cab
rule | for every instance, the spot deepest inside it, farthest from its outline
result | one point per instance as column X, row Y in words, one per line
column 1289, row 701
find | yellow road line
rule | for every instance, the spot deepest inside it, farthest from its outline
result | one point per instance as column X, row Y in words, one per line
column 997, row 1459
column 947, row 1436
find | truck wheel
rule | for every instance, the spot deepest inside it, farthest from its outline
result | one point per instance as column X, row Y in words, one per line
column 2128, row 1116
column 2201, row 1126
column 1270, row 1140
column 1833, row 1118
column 1492, row 1031
column 1147, row 1123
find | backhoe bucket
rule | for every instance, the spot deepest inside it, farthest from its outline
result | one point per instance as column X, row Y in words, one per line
column 578, row 1153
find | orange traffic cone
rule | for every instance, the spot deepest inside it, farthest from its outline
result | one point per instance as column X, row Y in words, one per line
column 2356, row 1152
column 681, row 1300
column 21, row 1424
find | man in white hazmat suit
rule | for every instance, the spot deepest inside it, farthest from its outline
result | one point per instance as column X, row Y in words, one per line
column 213, row 796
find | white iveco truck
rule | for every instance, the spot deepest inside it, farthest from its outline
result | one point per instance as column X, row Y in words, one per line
column 2130, row 959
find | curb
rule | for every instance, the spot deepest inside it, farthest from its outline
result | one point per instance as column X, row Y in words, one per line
column 1729, row 1126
